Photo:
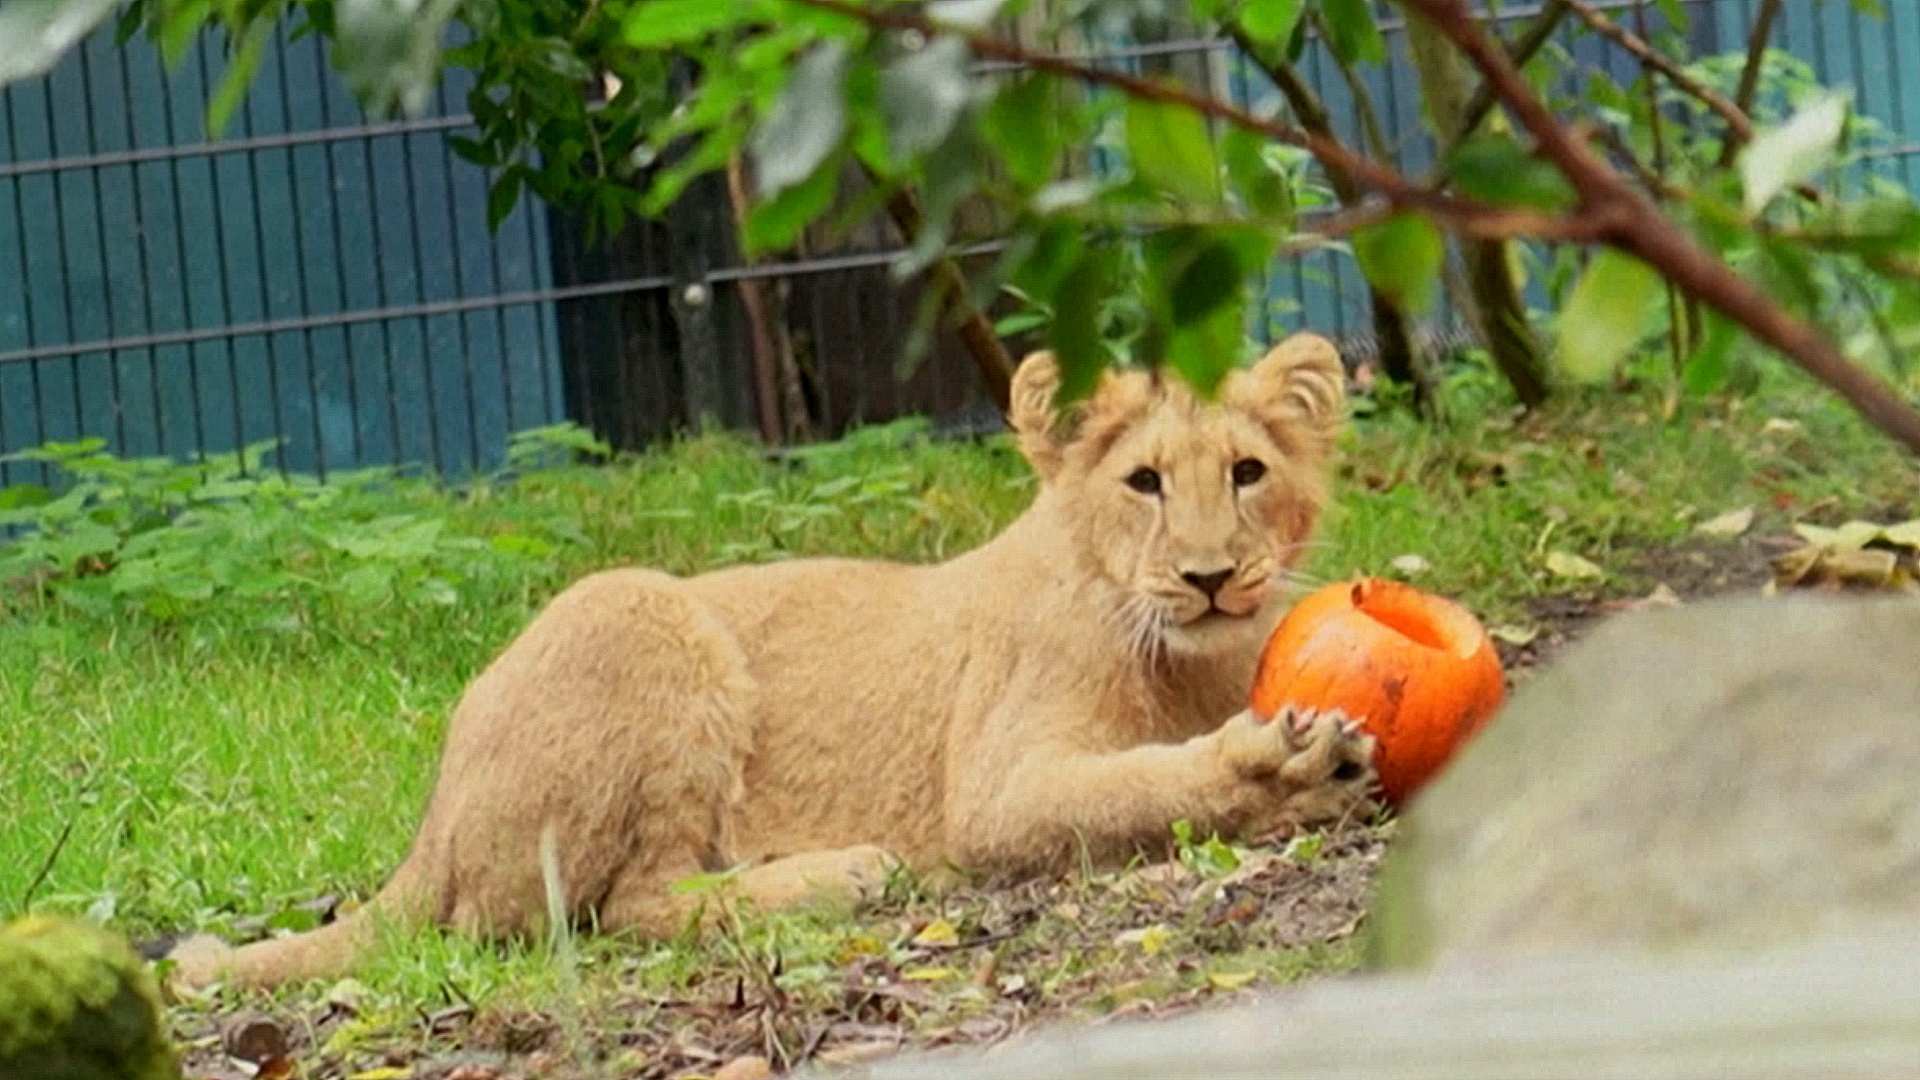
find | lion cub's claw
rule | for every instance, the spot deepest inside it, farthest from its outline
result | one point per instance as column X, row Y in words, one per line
column 1299, row 745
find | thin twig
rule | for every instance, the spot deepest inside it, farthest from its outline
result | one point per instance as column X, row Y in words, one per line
column 1552, row 14
column 1370, row 127
column 1738, row 125
column 990, row 357
column 1611, row 209
column 46, row 866
column 1758, row 39
column 1399, row 356
column 766, row 383
column 1466, row 215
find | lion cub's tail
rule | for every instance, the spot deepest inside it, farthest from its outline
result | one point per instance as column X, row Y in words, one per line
column 328, row 952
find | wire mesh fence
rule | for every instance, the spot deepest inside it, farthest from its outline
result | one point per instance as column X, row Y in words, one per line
column 331, row 284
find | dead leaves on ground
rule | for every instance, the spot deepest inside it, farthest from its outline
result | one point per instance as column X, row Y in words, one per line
column 973, row 965
column 1855, row 555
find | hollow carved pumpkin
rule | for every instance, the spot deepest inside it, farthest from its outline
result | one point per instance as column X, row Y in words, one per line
column 1416, row 669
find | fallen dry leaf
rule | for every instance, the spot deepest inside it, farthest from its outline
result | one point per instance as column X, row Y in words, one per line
column 1231, row 980
column 1853, row 534
column 1660, row 597
column 1517, row 636
column 1568, row 565
column 939, row 933
column 1906, row 534
column 253, row 1037
column 855, row 1053
column 750, row 1067
column 929, row 974
column 1728, row 525
column 1410, row 564
column 1817, row 565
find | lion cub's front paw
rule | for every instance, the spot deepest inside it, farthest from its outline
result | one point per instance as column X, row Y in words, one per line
column 1306, row 766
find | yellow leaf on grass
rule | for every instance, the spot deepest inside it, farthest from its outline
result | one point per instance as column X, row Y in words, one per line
column 939, row 932
column 1231, row 980
column 388, row 1073
column 1728, row 525
column 1151, row 939
column 860, row 945
column 1568, row 565
column 929, row 974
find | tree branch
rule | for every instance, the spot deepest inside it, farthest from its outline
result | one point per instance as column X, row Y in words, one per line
column 1467, row 216
column 1552, row 14
column 1637, row 226
column 1399, row 357
column 1738, row 125
column 1612, row 210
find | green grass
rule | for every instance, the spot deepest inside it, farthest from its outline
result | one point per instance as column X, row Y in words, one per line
column 202, row 772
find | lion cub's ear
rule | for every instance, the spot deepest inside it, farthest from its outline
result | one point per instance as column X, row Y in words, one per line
column 1032, row 412
column 1298, row 391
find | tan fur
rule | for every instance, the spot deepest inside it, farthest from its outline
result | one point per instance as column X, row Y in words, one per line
column 1058, row 689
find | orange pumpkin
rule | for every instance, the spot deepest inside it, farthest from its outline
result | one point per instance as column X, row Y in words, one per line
column 1417, row 670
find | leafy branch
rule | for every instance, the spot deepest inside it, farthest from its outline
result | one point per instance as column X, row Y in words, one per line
column 1632, row 223
column 1608, row 207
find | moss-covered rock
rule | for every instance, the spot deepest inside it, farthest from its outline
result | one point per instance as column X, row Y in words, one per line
column 77, row 1004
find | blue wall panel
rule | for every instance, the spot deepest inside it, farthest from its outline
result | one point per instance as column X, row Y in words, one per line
column 91, row 252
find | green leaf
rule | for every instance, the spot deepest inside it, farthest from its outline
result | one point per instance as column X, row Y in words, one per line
column 1795, row 151
column 1265, row 189
column 473, row 150
column 1049, row 255
column 1351, row 32
column 1271, row 22
column 1676, row 14
column 806, row 123
column 24, row 496
column 1208, row 305
column 659, row 23
column 1075, row 333
column 1209, row 279
column 1606, row 314
column 238, row 76
column 1497, row 169
column 1171, row 150
column 922, row 93
column 777, row 222
column 1023, row 123
column 1401, row 256
column 1711, row 361
column 504, row 195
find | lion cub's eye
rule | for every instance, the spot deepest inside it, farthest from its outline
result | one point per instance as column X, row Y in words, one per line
column 1144, row 480
column 1248, row 471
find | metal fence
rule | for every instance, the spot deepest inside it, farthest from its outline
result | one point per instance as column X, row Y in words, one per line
column 330, row 283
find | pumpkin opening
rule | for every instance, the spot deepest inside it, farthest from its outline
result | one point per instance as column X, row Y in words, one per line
column 1413, row 616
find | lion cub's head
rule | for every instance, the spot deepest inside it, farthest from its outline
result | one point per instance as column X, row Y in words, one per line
column 1193, row 509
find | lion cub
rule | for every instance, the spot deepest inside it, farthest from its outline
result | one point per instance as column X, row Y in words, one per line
column 1065, row 687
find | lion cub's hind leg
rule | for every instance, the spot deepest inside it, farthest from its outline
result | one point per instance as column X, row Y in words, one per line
column 648, row 901
column 615, row 729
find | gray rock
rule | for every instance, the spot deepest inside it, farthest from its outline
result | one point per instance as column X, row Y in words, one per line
column 1730, row 775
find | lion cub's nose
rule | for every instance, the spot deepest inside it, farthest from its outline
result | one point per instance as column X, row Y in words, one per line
column 1208, row 583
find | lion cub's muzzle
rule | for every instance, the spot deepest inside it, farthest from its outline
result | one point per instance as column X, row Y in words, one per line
column 1226, row 593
